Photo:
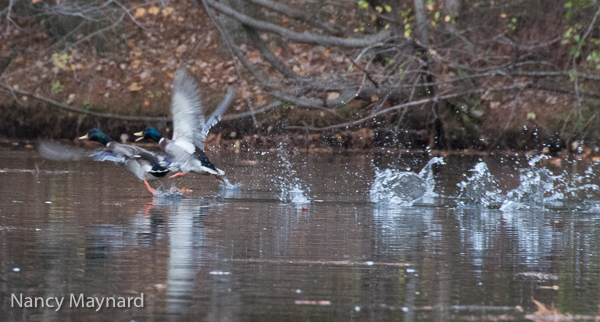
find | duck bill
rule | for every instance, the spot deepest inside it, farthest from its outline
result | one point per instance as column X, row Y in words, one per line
column 85, row 137
column 140, row 134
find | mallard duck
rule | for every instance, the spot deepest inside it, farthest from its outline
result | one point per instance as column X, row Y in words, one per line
column 189, row 128
column 140, row 162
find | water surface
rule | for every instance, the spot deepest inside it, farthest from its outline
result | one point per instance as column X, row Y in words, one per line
column 300, row 239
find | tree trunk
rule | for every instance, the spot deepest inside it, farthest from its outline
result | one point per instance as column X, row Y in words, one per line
column 421, row 17
column 452, row 8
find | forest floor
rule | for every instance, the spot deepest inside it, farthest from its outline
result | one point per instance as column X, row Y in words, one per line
column 129, row 72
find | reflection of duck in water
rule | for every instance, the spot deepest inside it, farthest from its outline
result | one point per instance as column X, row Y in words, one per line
column 143, row 164
column 189, row 129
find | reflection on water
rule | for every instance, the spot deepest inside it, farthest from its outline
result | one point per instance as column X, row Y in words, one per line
column 245, row 253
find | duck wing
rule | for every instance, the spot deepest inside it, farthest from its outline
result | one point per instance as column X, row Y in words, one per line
column 60, row 152
column 187, row 112
column 217, row 114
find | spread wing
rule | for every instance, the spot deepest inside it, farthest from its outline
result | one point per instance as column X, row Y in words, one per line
column 218, row 113
column 187, row 111
column 61, row 152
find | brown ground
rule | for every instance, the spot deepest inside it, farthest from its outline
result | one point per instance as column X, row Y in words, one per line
column 133, row 77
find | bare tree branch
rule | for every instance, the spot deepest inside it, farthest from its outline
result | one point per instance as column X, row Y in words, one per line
column 250, row 113
column 295, row 14
column 306, row 38
column 397, row 107
column 267, row 54
column 82, row 111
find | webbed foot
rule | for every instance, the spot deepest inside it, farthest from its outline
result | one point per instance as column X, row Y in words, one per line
column 180, row 174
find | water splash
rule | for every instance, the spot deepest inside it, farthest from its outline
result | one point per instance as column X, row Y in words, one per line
column 229, row 190
column 535, row 183
column 172, row 193
column 291, row 188
column 403, row 188
column 428, row 177
column 480, row 189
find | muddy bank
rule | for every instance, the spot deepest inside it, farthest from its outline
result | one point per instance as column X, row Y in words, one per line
column 28, row 123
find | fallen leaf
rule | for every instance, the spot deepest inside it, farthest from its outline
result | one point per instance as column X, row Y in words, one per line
column 326, row 53
column 70, row 99
column 167, row 11
column 374, row 98
column 140, row 12
column 153, row 10
column 134, row 87
column 332, row 95
column 146, row 101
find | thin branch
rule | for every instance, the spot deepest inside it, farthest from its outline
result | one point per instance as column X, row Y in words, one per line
column 306, row 38
column 82, row 111
column 396, row 107
column 251, row 113
column 306, row 102
column 295, row 14
column 235, row 52
column 268, row 55
column 129, row 14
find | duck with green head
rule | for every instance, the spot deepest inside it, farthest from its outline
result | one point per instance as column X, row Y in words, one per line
column 189, row 128
column 140, row 162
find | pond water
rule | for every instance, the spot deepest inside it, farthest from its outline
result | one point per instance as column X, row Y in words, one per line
column 338, row 236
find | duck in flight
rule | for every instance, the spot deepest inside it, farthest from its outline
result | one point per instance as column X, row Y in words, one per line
column 142, row 163
column 189, row 128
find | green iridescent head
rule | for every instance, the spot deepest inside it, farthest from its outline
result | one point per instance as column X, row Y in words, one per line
column 98, row 136
column 149, row 133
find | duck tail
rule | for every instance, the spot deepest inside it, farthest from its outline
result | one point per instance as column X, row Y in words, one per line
column 159, row 171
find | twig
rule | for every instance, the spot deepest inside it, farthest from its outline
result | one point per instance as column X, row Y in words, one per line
column 235, row 52
column 82, row 111
column 396, row 107
column 295, row 14
column 363, row 70
column 268, row 55
column 306, row 38
column 129, row 14
column 251, row 113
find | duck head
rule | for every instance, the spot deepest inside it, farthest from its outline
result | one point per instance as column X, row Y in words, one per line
column 98, row 136
column 149, row 133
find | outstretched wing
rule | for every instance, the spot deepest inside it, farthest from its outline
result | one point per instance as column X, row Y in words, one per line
column 61, row 152
column 187, row 111
column 105, row 155
column 218, row 113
